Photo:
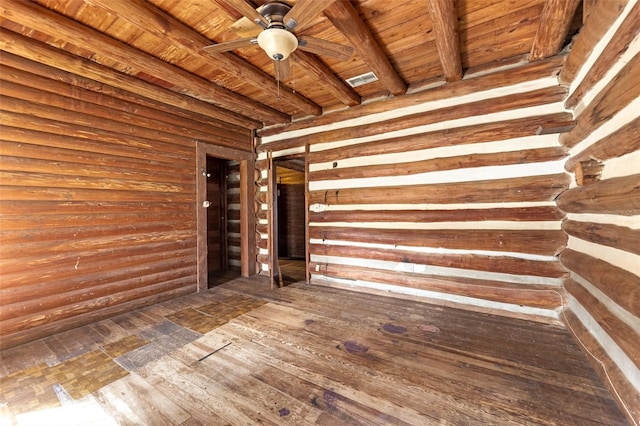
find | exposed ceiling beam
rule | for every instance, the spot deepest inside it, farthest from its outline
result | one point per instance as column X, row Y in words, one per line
column 338, row 88
column 247, row 10
column 231, row 13
column 36, row 17
column 304, row 11
column 553, row 28
column 155, row 21
column 444, row 19
column 346, row 19
column 40, row 52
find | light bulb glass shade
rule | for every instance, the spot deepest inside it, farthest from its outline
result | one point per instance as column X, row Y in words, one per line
column 277, row 43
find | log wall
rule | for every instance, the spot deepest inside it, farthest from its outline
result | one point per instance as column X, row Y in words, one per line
column 447, row 194
column 97, row 192
column 603, row 204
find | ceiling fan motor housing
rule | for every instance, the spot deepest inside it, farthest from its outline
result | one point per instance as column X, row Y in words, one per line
column 276, row 40
column 275, row 12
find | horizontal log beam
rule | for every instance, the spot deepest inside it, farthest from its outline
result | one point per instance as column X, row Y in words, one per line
column 68, row 84
column 439, row 164
column 598, row 22
column 535, row 188
column 618, row 45
column 38, row 52
column 623, row 287
column 623, row 141
column 461, row 215
column 502, row 78
column 116, row 100
column 623, row 334
column 39, row 18
column 543, row 242
column 95, row 282
column 151, row 19
column 517, row 294
column 619, row 195
column 622, row 90
column 81, row 120
column 45, row 193
column 110, row 112
column 156, row 294
column 488, row 132
column 76, row 143
column 619, row 237
column 497, row 264
column 506, row 103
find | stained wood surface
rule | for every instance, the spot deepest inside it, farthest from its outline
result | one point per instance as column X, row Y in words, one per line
column 601, row 17
column 506, row 265
column 620, row 195
column 554, row 25
column 505, row 103
column 620, row 91
column 619, row 44
column 97, row 193
column 627, row 140
column 489, row 79
column 622, row 333
column 624, row 391
column 406, row 46
column 538, row 188
column 621, row 286
column 306, row 357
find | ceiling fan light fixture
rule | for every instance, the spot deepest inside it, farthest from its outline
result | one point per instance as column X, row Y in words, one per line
column 278, row 43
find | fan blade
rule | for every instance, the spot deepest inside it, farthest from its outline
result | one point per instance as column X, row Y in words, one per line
column 230, row 45
column 247, row 10
column 283, row 69
column 318, row 46
column 304, row 11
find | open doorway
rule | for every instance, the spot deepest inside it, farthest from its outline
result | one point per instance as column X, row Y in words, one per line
column 290, row 218
column 235, row 191
column 219, row 226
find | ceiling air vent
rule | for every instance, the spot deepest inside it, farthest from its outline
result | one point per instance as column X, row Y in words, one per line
column 359, row 80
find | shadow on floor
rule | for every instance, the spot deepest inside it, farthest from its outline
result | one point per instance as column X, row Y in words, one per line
column 220, row 277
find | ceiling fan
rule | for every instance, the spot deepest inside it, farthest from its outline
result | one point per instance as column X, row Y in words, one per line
column 277, row 20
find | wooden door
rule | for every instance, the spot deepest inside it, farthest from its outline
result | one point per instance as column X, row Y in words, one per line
column 216, row 215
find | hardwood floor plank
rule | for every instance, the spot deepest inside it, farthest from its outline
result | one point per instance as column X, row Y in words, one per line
column 173, row 377
column 350, row 377
column 138, row 402
column 269, row 402
column 311, row 355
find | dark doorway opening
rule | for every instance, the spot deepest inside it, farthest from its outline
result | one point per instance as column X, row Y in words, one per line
column 291, row 226
column 217, row 223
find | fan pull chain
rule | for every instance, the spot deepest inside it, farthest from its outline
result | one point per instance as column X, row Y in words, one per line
column 278, row 95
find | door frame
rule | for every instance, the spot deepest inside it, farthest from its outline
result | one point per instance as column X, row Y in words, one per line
column 247, row 214
column 272, row 175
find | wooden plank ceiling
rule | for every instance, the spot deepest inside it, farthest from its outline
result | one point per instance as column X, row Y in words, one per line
column 410, row 45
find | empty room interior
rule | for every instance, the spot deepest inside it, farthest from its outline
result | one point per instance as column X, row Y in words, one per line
column 330, row 212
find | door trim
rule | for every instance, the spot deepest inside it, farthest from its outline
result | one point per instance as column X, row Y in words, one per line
column 247, row 214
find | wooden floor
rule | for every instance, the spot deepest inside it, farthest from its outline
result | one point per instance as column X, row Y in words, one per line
column 243, row 354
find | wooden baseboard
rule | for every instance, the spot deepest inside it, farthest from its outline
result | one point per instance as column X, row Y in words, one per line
column 627, row 397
